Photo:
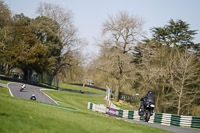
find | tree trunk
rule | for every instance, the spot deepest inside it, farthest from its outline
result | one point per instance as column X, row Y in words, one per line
column 179, row 101
column 50, row 79
column 157, row 103
column 41, row 78
column 27, row 75
column 7, row 69
column 116, row 98
column 1, row 67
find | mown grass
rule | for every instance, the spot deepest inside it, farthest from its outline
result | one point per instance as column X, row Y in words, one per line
column 85, row 89
column 25, row 116
column 74, row 100
column 4, row 81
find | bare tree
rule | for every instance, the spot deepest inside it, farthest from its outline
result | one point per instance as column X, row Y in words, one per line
column 121, row 34
column 184, row 76
column 65, row 20
column 172, row 74
column 123, row 31
column 153, row 72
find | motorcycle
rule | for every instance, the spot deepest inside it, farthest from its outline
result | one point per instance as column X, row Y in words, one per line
column 148, row 111
column 33, row 97
column 22, row 87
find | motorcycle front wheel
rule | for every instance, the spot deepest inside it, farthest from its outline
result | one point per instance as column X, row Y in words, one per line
column 147, row 115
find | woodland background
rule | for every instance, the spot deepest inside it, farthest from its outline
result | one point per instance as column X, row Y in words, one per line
column 49, row 47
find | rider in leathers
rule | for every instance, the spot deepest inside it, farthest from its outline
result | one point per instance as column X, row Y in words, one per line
column 149, row 97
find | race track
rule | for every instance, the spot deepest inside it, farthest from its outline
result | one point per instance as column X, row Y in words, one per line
column 27, row 93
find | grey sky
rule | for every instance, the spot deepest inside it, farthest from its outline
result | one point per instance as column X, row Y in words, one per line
column 90, row 14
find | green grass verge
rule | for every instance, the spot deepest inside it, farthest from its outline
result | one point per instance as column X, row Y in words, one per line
column 25, row 116
column 86, row 89
column 74, row 100
column 4, row 81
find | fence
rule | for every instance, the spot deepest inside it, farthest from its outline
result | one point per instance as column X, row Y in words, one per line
column 162, row 118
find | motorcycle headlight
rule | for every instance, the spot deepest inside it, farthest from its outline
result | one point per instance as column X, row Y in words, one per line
column 152, row 105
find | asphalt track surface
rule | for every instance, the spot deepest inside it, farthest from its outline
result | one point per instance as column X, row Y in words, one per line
column 14, row 89
column 174, row 129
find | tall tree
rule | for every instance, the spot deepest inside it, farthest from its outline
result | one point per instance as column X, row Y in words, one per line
column 46, row 31
column 121, row 32
column 173, row 75
column 176, row 34
column 67, row 31
column 184, row 79
column 5, row 22
column 5, row 14
column 151, row 72
column 23, row 50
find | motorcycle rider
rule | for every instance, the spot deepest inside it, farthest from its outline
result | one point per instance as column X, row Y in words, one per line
column 33, row 97
column 149, row 97
column 23, row 87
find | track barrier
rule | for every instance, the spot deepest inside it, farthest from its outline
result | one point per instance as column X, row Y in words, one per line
column 162, row 118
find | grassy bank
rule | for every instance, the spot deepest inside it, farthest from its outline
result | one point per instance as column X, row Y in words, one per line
column 3, row 82
column 86, row 89
column 74, row 100
column 25, row 116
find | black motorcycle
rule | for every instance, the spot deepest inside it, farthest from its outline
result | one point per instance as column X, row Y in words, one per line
column 148, row 111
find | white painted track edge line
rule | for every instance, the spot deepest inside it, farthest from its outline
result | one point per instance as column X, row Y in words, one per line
column 48, row 96
column 9, row 89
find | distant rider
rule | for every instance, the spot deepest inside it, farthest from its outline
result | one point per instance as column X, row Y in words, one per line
column 23, row 87
column 33, row 97
column 149, row 97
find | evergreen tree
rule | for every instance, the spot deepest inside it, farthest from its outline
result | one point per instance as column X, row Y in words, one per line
column 137, row 54
column 175, row 34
